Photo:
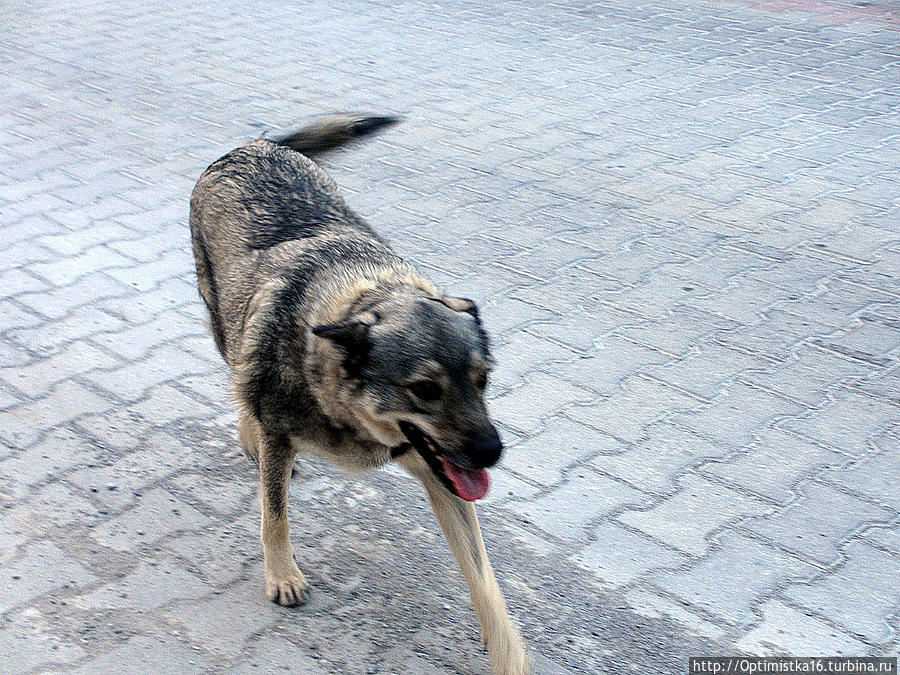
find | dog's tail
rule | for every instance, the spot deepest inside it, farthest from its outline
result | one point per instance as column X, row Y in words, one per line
column 331, row 131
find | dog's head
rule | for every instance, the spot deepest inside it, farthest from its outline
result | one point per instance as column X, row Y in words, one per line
column 414, row 371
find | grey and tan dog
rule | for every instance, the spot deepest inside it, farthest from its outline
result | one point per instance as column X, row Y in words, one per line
column 340, row 348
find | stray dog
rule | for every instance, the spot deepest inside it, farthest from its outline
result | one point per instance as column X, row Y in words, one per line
column 340, row 348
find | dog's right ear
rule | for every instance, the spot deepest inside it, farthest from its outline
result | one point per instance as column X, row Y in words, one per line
column 460, row 305
column 351, row 335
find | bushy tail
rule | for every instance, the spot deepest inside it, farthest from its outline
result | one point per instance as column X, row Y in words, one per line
column 330, row 131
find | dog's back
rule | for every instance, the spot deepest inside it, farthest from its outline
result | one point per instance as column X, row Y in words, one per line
column 266, row 209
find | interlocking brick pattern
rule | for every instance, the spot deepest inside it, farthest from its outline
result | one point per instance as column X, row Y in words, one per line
column 680, row 219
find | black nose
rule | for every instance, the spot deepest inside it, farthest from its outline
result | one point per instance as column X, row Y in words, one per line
column 487, row 447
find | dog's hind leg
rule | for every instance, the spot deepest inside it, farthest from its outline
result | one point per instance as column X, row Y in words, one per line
column 249, row 436
column 460, row 525
column 285, row 583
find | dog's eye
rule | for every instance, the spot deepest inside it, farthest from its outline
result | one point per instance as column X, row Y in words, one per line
column 426, row 390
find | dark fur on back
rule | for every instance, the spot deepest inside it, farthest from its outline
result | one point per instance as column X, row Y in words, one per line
column 266, row 219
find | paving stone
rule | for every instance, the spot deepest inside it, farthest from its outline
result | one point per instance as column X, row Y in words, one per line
column 721, row 264
column 157, row 514
column 15, row 534
column 859, row 242
column 809, row 376
column 676, row 520
column 540, row 396
column 67, row 401
column 508, row 314
column 91, row 288
column 613, row 359
column 705, row 371
column 873, row 476
column 59, row 450
column 638, row 403
column 544, row 457
column 632, row 263
column 872, row 340
column 134, row 342
column 221, row 493
column 28, row 641
column 223, row 623
column 119, row 428
column 884, row 536
column 743, row 302
column 77, row 241
column 818, row 523
column 848, row 422
column 800, row 271
column 43, row 568
column 130, row 382
column 79, row 324
column 161, row 654
column 147, row 276
column 274, row 654
column 861, row 595
column 836, row 303
column 16, row 282
column 882, row 384
column 619, row 557
column 678, row 332
column 52, row 506
column 774, row 464
column 77, row 358
column 581, row 328
column 220, row 556
column 150, row 586
column 66, row 270
column 141, row 307
column 19, row 317
column 663, row 291
column 736, row 414
column 587, row 497
column 525, row 352
column 776, row 334
column 654, row 462
column 785, row 631
column 165, row 404
column 728, row 581
column 653, row 605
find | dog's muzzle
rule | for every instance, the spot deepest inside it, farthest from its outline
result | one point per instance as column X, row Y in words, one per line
column 466, row 483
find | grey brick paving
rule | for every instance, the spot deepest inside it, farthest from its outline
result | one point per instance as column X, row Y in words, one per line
column 680, row 219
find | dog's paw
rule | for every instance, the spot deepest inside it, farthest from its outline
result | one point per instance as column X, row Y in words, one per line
column 289, row 590
column 519, row 665
column 509, row 655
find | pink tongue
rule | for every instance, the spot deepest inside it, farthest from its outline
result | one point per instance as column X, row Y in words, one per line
column 470, row 485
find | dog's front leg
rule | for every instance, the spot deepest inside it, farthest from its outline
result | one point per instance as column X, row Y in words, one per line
column 285, row 583
column 460, row 525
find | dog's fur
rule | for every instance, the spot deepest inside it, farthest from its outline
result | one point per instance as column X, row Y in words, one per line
column 339, row 347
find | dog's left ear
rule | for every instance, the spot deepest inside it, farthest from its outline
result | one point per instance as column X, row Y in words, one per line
column 460, row 305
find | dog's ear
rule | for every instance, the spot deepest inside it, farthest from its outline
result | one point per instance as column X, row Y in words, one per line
column 348, row 334
column 352, row 336
column 460, row 305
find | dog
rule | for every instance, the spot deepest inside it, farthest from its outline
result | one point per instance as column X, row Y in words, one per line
column 340, row 348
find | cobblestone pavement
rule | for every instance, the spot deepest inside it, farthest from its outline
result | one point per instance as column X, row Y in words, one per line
column 680, row 219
